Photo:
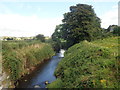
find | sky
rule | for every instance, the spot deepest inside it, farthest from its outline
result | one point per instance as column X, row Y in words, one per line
column 23, row 18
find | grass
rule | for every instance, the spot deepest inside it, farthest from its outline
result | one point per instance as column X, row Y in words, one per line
column 19, row 57
column 89, row 65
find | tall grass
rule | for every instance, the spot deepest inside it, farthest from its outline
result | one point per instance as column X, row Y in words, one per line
column 19, row 57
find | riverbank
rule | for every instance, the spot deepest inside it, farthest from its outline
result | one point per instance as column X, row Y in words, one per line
column 43, row 73
column 20, row 58
column 32, row 70
column 89, row 65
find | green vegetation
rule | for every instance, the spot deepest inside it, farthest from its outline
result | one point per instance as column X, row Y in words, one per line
column 40, row 37
column 91, row 61
column 19, row 57
column 116, row 30
column 81, row 23
column 89, row 65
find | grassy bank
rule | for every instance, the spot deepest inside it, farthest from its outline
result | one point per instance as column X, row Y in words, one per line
column 19, row 58
column 89, row 65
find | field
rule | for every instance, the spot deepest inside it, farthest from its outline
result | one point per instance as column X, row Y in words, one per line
column 90, row 65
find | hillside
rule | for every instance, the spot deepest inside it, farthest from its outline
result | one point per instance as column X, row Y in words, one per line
column 89, row 65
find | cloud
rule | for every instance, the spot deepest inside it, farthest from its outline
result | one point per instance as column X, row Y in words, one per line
column 18, row 25
column 109, row 18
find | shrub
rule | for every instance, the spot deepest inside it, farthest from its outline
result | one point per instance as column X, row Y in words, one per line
column 19, row 57
column 89, row 65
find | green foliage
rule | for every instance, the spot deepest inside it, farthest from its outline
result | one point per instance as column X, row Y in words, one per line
column 116, row 31
column 81, row 23
column 13, row 65
column 9, row 38
column 40, row 37
column 56, row 84
column 89, row 65
column 19, row 57
column 113, row 30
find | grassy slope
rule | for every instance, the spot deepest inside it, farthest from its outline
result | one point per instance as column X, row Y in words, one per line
column 20, row 57
column 89, row 64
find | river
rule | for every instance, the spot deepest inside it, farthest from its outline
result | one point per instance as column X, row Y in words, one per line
column 42, row 74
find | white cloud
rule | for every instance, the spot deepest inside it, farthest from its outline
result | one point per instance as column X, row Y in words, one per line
column 17, row 25
column 109, row 18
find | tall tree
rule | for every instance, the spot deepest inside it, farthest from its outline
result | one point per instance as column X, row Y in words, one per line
column 81, row 23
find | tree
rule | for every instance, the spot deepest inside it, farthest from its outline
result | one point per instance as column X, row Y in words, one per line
column 9, row 38
column 111, row 28
column 40, row 37
column 56, row 36
column 116, row 30
column 81, row 23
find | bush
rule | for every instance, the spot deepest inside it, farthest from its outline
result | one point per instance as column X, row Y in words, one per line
column 116, row 31
column 13, row 65
column 56, row 84
column 18, row 57
column 89, row 65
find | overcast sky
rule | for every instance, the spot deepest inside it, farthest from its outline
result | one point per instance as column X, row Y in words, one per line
column 40, row 17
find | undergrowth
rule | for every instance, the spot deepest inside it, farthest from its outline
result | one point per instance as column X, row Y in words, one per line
column 19, row 57
column 89, row 65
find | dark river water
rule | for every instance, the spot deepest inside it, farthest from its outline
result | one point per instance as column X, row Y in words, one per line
column 44, row 73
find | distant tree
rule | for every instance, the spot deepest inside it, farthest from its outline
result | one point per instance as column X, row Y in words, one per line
column 111, row 28
column 40, row 37
column 9, row 38
column 116, row 30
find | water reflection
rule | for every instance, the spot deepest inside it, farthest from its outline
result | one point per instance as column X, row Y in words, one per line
column 43, row 74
